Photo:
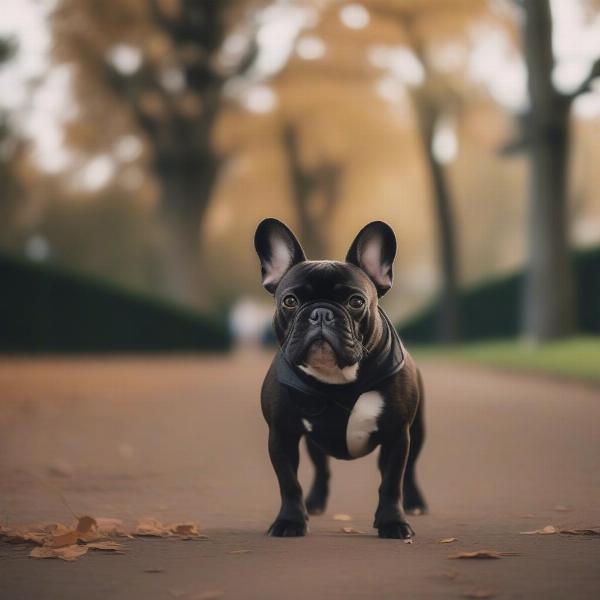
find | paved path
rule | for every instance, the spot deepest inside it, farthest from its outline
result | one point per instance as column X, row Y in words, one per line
column 182, row 438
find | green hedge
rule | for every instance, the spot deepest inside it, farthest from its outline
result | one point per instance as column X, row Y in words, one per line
column 46, row 309
column 492, row 309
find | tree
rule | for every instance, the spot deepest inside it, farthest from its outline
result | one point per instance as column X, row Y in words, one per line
column 549, row 294
column 315, row 194
column 434, row 98
column 152, row 65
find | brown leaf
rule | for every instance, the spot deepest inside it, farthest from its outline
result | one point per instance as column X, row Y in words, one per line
column 59, row 541
column 351, row 530
column 590, row 531
column 21, row 536
column 241, row 551
column 107, row 546
column 112, row 527
column 68, row 553
column 154, row 570
column 482, row 554
column 449, row 540
column 479, row 593
column 342, row 517
column 151, row 527
column 548, row 530
column 187, row 529
column 86, row 524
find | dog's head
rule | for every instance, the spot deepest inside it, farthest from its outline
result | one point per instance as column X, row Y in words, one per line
column 326, row 318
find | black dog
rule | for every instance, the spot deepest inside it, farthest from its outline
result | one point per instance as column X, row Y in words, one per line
column 341, row 378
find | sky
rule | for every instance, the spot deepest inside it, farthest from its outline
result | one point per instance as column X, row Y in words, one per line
column 284, row 29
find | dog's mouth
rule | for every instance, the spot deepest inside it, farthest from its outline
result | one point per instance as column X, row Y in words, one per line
column 320, row 354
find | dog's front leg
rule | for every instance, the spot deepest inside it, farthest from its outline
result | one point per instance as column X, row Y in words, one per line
column 390, row 519
column 283, row 450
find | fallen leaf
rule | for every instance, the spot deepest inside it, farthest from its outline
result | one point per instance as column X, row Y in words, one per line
column 239, row 551
column 449, row 540
column 351, row 530
column 59, row 541
column 20, row 536
column 481, row 593
column 107, row 546
column 68, row 553
column 342, row 517
column 112, row 527
column 151, row 527
column 154, row 570
column 590, row 531
column 86, row 524
column 187, row 529
column 482, row 554
column 548, row 530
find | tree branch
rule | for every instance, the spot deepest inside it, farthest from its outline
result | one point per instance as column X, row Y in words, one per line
column 586, row 84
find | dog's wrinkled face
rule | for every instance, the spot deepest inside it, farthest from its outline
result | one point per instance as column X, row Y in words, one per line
column 326, row 311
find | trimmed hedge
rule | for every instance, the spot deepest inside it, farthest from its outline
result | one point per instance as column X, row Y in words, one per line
column 492, row 309
column 46, row 309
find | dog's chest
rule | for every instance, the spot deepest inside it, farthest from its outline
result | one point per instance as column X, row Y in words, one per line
column 345, row 429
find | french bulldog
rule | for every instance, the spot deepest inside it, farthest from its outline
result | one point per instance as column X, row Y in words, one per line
column 341, row 377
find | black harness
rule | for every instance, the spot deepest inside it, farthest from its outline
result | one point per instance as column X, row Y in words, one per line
column 327, row 407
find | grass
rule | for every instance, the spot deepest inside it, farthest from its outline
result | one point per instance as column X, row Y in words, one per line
column 575, row 358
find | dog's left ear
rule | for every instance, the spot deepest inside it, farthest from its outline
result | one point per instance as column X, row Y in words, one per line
column 373, row 250
column 278, row 251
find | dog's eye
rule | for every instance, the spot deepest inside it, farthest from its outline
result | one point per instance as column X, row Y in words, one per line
column 356, row 302
column 290, row 301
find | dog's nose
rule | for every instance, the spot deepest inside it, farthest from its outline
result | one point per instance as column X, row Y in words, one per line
column 319, row 316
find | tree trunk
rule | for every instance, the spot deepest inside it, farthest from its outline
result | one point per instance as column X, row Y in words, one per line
column 315, row 194
column 449, row 309
column 549, row 292
column 185, row 192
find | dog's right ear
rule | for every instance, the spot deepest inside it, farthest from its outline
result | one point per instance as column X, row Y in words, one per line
column 278, row 251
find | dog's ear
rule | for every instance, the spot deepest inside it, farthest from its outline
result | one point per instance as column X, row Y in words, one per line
column 373, row 250
column 278, row 251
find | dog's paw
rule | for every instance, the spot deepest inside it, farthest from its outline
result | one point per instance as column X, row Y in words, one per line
column 315, row 504
column 286, row 528
column 414, row 504
column 397, row 531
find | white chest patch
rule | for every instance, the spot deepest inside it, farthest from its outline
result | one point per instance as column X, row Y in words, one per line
column 363, row 422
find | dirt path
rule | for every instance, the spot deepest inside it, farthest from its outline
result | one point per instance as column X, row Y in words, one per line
column 182, row 438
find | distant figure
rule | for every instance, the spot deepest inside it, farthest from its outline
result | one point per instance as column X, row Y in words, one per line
column 250, row 323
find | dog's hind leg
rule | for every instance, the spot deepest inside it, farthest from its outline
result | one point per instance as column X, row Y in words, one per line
column 413, row 500
column 316, row 500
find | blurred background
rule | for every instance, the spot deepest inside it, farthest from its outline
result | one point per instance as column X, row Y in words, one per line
column 141, row 141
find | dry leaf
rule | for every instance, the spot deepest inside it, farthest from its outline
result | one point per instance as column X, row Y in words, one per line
column 187, row 529
column 481, row 593
column 351, row 530
column 548, row 530
column 59, row 541
column 590, row 531
column 239, row 551
column 107, row 546
column 154, row 570
column 342, row 517
column 449, row 540
column 112, row 527
column 20, row 536
column 86, row 524
column 68, row 553
column 482, row 554
column 151, row 527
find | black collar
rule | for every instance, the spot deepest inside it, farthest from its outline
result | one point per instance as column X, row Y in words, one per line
column 373, row 370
